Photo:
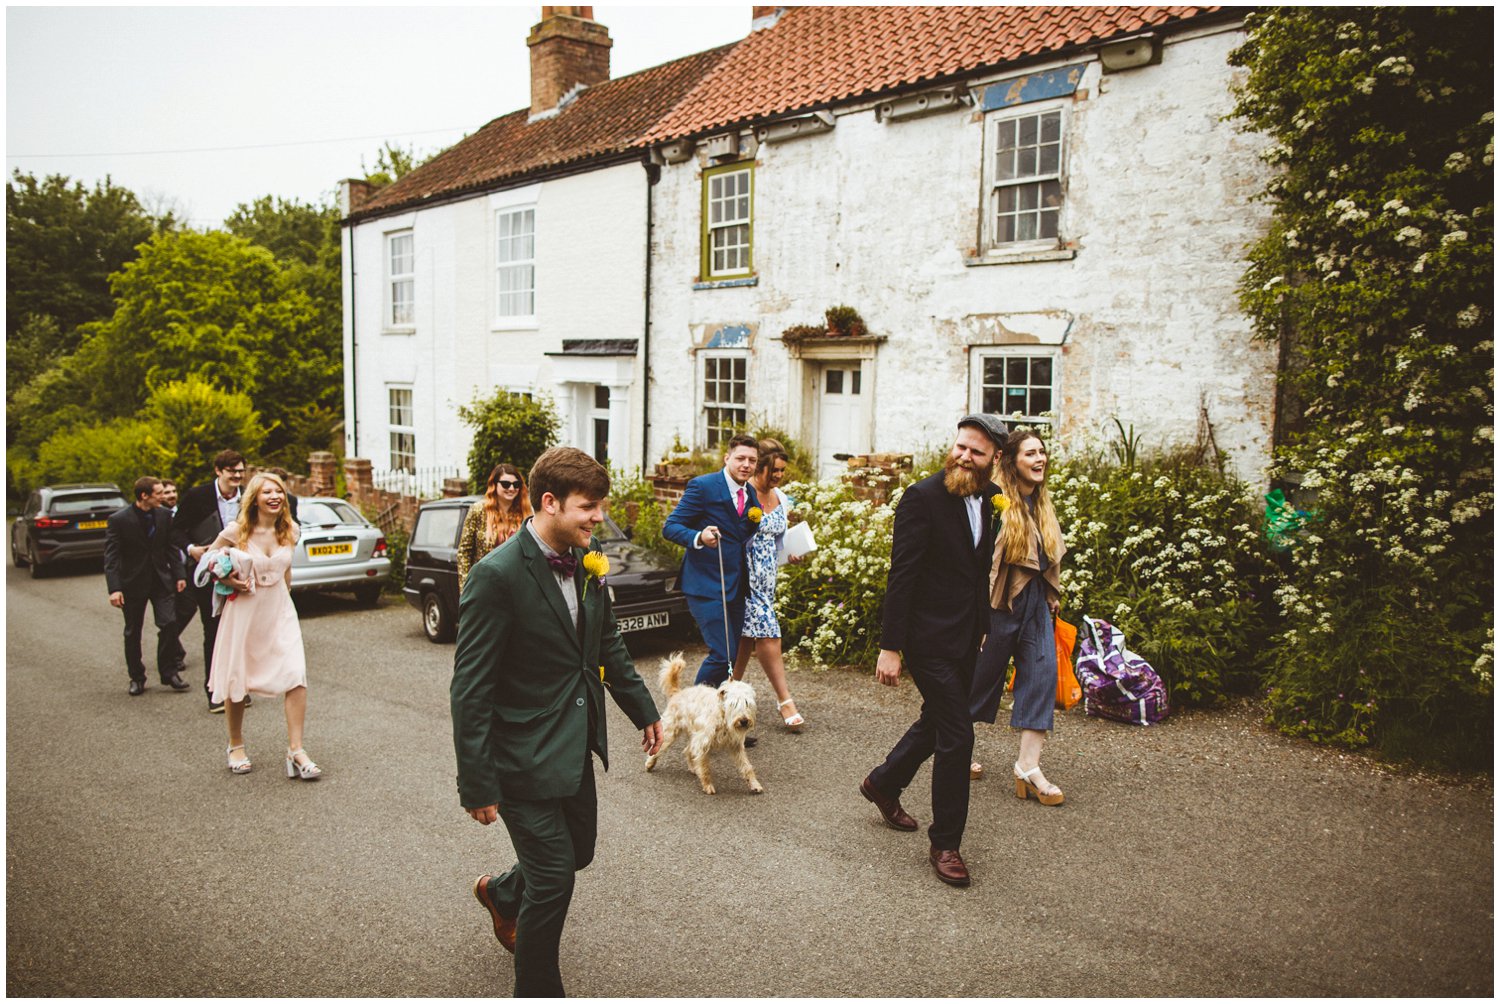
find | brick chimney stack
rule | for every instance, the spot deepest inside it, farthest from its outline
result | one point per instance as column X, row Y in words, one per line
column 568, row 48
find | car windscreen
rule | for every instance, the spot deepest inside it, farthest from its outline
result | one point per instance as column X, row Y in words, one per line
column 63, row 505
column 437, row 528
column 326, row 513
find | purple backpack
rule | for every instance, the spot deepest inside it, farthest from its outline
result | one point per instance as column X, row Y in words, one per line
column 1117, row 683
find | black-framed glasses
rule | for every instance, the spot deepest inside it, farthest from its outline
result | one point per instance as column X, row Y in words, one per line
column 507, row 483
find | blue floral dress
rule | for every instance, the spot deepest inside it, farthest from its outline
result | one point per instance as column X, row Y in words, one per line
column 760, row 557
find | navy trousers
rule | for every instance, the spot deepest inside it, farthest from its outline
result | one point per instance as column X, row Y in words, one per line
column 709, row 613
column 944, row 733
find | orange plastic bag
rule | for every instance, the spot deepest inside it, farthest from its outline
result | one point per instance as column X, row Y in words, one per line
column 1069, row 692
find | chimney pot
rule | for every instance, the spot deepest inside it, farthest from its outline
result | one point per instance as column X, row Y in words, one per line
column 568, row 48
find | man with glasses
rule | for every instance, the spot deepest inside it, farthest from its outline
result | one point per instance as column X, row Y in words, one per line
column 205, row 510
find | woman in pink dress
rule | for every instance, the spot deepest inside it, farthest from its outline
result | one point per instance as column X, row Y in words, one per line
column 259, row 646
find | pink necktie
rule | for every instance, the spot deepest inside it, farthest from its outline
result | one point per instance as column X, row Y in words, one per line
column 739, row 500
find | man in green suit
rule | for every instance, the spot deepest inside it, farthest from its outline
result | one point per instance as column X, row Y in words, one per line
column 537, row 648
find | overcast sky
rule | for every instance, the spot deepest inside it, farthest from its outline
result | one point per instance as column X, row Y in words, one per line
column 203, row 108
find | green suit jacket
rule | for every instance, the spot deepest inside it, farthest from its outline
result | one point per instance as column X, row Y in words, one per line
column 524, row 681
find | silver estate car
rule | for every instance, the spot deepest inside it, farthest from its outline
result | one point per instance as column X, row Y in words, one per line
column 339, row 551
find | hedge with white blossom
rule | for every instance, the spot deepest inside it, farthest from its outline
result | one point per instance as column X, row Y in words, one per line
column 1377, row 280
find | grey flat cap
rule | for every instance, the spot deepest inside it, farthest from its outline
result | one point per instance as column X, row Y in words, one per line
column 990, row 425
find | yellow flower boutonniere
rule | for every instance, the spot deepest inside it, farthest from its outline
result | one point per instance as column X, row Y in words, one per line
column 999, row 504
column 597, row 567
column 754, row 515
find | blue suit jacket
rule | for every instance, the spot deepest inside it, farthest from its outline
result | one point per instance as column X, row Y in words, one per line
column 707, row 502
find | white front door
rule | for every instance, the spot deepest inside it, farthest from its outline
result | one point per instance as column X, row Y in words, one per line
column 840, row 417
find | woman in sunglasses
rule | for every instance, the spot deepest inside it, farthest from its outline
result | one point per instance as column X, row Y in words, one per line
column 492, row 519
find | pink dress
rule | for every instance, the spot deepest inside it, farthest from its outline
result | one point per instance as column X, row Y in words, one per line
column 259, row 646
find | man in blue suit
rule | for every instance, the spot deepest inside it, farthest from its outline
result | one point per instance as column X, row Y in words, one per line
column 712, row 521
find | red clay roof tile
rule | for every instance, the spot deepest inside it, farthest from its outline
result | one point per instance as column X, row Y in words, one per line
column 821, row 55
column 605, row 120
column 812, row 56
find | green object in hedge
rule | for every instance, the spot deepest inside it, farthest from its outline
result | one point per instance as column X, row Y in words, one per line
column 1283, row 520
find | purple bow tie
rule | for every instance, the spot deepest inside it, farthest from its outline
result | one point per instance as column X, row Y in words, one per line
column 566, row 564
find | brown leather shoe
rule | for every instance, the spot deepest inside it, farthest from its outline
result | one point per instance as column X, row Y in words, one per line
column 949, row 867
column 890, row 808
column 505, row 927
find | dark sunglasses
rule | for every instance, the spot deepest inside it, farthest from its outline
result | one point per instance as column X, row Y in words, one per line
column 507, row 483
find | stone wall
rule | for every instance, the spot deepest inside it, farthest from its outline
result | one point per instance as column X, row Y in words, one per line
column 1138, row 308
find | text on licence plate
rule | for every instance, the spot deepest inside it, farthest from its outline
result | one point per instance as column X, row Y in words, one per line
column 644, row 622
column 327, row 550
column 94, row 524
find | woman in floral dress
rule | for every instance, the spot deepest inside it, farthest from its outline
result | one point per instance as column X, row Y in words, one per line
column 762, row 633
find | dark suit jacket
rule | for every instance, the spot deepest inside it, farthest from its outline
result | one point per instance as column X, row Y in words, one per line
column 525, row 682
column 936, row 595
column 707, row 502
column 197, row 520
column 138, row 565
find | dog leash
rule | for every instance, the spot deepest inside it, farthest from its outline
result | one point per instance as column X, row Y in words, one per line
column 724, row 598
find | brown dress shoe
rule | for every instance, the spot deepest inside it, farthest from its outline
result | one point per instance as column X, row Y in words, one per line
column 505, row 927
column 890, row 808
column 949, row 867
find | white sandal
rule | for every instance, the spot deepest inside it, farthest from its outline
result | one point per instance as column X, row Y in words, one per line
column 306, row 771
column 1026, row 788
column 794, row 723
column 238, row 766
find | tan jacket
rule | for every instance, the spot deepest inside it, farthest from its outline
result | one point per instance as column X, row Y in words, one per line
column 1007, row 580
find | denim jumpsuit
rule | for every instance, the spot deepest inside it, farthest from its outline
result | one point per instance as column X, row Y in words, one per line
column 1024, row 632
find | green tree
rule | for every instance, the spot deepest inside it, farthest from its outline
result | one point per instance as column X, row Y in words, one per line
column 291, row 230
column 1376, row 279
column 62, row 242
column 181, row 427
column 216, row 306
column 508, row 428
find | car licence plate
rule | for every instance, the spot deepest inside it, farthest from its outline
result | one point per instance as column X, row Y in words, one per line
column 644, row 622
column 94, row 524
column 328, row 550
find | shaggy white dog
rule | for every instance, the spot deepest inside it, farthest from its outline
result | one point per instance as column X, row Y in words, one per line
column 712, row 719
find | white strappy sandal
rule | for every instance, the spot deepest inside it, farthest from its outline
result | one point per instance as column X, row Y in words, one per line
column 1026, row 788
column 794, row 723
column 238, row 766
column 305, row 771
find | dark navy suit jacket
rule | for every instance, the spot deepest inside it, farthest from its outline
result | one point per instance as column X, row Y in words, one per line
column 707, row 502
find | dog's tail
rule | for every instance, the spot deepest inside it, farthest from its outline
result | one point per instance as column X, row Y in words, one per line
column 670, row 677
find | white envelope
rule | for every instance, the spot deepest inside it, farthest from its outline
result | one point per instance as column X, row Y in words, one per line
column 796, row 542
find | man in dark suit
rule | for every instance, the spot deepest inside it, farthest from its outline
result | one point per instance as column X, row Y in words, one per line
column 711, row 521
column 205, row 510
column 538, row 648
column 936, row 612
column 140, row 567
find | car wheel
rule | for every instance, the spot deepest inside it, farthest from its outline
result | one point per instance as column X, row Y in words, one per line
column 367, row 596
column 436, row 623
column 15, row 555
column 37, row 570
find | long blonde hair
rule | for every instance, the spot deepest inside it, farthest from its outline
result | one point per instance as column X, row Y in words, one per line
column 1020, row 526
column 499, row 526
column 249, row 516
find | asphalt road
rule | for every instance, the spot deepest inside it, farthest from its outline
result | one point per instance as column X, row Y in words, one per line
column 1206, row 856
